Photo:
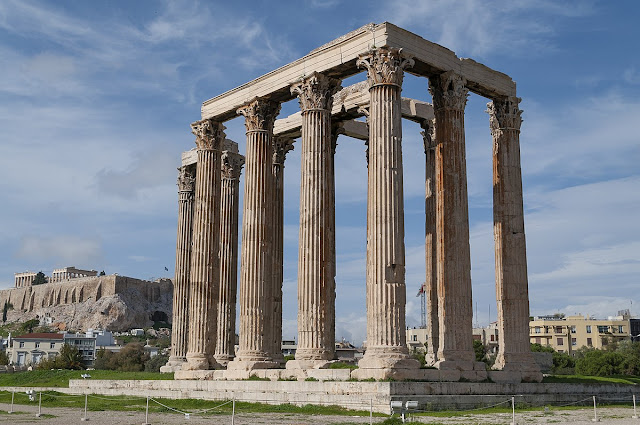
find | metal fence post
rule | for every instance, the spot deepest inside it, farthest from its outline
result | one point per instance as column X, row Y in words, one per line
column 595, row 411
column 39, row 406
column 13, row 393
column 146, row 414
column 635, row 413
column 513, row 411
column 85, row 409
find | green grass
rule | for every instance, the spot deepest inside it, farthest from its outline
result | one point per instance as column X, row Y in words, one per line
column 60, row 378
column 132, row 403
column 583, row 379
column 342, row 365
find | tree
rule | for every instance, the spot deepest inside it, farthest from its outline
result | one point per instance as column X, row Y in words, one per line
column 7, row 306
column 155, row 363
column 68, row 358
column 600, row 363
column 39, row 279
column 4, row 359
column 28, row 326
column 131, row 358
column 478, row 348
column 102, row 273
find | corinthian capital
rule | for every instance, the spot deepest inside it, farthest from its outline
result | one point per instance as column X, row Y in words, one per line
column 209, row 134
column 385, row 65
column 232, row 164
column 428, row 134
column 281, row 146
column 186, row 179
column 504, row 114
column 260, row 114
column 449, row 91
column 316, row 92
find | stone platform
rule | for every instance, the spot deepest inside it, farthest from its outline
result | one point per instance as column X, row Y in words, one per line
column 430, row 375
column 357, row 395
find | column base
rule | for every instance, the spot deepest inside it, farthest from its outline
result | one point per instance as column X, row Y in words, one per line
column 200, row 362
column 522, row 364
column 223, row 359
column 174, row 364
column 386, row 363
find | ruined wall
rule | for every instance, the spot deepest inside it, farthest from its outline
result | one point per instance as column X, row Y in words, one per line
column 100, row 302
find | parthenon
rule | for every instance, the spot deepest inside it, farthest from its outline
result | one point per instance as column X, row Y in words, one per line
column 205, row 284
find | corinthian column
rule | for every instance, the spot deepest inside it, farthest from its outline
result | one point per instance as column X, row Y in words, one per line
column 232, row 163
column 316, row 270
column 256, row 267
column 512, row 292
column 455, row 349
column 431, row 256
column 205, row 262
column 385, row 274
column 281, row 146
column 180, row 328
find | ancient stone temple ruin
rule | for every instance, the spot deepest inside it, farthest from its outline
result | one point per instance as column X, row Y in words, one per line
column 206, row 252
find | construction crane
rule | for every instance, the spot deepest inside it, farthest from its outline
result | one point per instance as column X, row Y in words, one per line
column 422, row 293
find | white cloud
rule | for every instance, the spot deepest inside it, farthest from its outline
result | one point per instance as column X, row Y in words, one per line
column 60, row 250
column 475, row 28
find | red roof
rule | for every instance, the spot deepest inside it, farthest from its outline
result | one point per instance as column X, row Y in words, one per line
column 40, row 335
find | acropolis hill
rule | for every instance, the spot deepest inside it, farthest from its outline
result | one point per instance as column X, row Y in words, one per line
column 112, row 302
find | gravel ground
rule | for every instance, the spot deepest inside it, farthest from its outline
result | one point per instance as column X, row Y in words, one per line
column 67, row 416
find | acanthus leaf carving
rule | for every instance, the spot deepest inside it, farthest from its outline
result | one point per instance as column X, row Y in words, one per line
column 281, row 146
column 449, row 91
column 209, row 134
column 316, row 91
column 186, row 179
column 260, row 114
column 428, row 134
column 504, row 114
column 385, row 65
column 232, row 164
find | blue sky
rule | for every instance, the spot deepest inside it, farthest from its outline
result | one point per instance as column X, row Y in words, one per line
column 96, row 100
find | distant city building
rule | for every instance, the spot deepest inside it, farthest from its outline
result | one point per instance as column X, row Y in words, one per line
column 416, row 339
column 566, row 334
column 32, row 348
column 488, row 336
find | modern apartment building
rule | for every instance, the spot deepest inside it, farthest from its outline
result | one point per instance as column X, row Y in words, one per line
column 566, row 334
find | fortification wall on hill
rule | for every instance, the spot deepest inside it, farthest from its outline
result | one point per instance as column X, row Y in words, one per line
column 114, row 302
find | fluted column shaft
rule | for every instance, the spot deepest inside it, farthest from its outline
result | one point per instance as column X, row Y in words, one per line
column 512, row 291
column 385, row 273
column 256, row 268
column 229, row 193
column 316, row 268
column 281, row 146
column 180, row 324
column 431, row 255
column 452, row 226
column 205, row 261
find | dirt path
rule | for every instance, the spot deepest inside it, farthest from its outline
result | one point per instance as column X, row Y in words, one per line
column 67, row 416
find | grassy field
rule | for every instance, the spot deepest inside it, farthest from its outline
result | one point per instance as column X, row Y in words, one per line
column 583, row 379
column 132, row 403
column 60, row 378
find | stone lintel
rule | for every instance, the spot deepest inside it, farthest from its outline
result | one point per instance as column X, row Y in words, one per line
column 338, row 59
column 190, row 157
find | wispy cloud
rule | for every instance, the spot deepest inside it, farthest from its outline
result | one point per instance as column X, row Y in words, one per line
column 485, row 28
column 63, row 250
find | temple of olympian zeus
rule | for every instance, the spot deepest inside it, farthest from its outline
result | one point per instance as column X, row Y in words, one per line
column 205, row 284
